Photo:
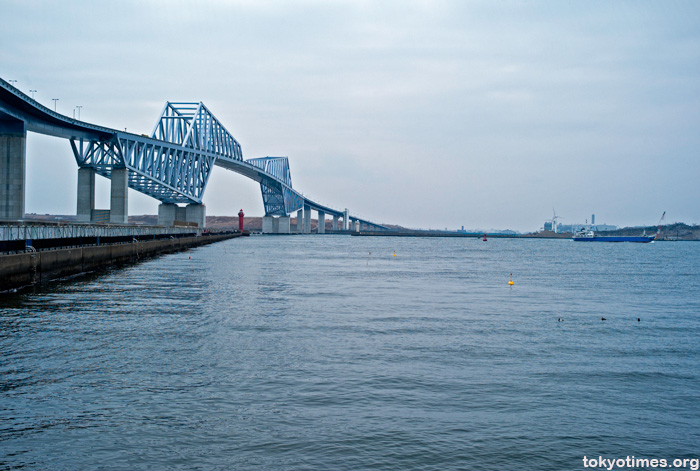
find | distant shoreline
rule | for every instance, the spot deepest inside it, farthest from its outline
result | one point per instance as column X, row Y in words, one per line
column 672, row 232
column 472, row 235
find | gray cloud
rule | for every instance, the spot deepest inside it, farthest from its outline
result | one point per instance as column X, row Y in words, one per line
column 428, row 114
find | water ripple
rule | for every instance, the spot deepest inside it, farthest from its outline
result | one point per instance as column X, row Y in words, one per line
column 310, row 353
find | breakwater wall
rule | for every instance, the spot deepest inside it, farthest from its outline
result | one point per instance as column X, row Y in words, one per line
column 431, row 234
column 34, row 268
column 473, row 235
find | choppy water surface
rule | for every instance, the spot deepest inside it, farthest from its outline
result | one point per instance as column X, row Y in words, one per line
column 270, row 353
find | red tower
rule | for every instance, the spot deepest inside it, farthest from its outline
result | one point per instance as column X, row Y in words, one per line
column 240, row 220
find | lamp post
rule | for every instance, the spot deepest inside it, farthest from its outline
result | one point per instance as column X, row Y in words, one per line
column 32, row 92
column 78, row 106
column 13, row 82
column 54, row 103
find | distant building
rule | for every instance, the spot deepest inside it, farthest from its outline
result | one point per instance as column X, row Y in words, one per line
column 578, row 227
column 605, row 227
column 548, row 226
column 569, row 227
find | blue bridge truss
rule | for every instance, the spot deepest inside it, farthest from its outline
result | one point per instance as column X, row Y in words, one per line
column 174, row 163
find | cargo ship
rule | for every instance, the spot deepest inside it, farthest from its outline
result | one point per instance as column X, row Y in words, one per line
column 585, row 235
column 590, row 236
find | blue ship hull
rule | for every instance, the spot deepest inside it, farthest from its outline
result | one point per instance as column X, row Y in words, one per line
column 642, row 239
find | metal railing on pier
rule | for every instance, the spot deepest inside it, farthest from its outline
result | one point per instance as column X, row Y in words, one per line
column 14, row 231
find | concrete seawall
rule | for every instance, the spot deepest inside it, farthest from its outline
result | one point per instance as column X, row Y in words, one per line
column 35, row 268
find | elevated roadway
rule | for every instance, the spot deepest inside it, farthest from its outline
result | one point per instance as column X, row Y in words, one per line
column 172, row 164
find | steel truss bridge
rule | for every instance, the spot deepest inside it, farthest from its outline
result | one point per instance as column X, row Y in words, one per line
column 172, row 164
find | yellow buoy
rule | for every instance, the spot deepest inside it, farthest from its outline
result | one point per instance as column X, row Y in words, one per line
column 394, row 253
column 511, row 280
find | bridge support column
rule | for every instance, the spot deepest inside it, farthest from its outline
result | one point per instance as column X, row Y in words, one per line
column 86, row 194
column 321, row 223
column 13, row 153
column 167, row 213
column 357, row 225
column 276, row 225
column 119, row 201
column 268, row 225
column 307, row 219
column 196, row 213
column 335, row 222
column 346, row 221
column 300, row 221
column 284, row 227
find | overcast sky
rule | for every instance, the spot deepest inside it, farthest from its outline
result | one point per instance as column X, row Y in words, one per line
column 426, row 114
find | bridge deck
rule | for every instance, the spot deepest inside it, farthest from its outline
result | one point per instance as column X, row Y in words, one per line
column 172, row 172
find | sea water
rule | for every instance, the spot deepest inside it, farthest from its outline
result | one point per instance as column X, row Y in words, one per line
column 351, row 353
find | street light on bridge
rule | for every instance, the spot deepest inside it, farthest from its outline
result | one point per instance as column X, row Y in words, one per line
column 13, row 82
column 78, row 106
column 33, row 92
column 54, row 103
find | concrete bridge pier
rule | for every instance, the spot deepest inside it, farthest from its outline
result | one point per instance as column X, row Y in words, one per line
column 307, row 219
column 321, row 229
column 267, row 225
column 284, row 226
column 335, row 222
column 119, row 196
column 197, row 213
column 270, row 225
column 167, row 214
column 346, row 220
column 86, row 194
column 300, row 221
column 276, row 225
column 13, row 153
